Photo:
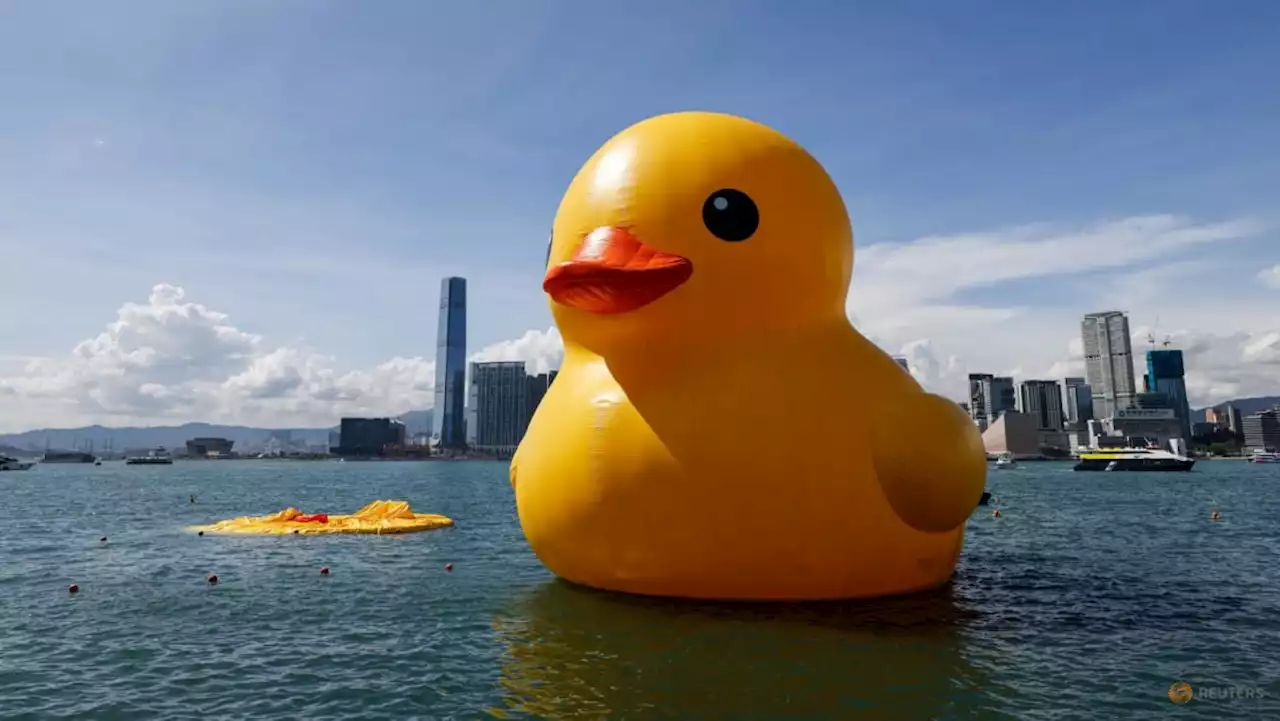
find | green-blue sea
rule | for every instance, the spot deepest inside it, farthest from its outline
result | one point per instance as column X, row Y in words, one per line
column 1086, row 598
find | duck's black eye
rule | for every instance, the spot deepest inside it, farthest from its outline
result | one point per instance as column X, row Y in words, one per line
column 730, row 215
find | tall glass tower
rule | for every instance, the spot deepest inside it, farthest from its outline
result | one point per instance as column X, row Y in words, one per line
column 448, row 421
column 1165, row 374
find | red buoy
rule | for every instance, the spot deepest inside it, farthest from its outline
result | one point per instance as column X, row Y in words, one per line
column 1214, row 516
column 213, row 578
column 995, row 513
column 448, row 566
column 324, row 570
column 73, row 588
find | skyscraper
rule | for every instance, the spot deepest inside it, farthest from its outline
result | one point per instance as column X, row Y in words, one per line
column 1079, row 406
column 1042, row 400
column 500, row 405
column 1108, row 361
column 989, row 397
column 448, row 423
column 1165, row 374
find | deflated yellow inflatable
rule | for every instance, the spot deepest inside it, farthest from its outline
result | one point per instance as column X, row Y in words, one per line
column 377, row 517
column 718, row 429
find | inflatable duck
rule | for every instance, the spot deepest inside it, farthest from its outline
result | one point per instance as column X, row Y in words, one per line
column 718, row 429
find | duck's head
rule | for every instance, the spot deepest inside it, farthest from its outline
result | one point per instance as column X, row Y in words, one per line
column 697, row 227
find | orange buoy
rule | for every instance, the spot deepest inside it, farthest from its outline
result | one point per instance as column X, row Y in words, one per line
column 212, row 579
column 995, row 513
column 73, row 588
column 324, row 570
column 448, row 566
column 1214, row 516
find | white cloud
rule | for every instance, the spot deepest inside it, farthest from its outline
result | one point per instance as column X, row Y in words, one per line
column 1270, row 277
column 171, row 360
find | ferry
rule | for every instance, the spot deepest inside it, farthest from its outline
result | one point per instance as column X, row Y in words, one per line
column 157, row 457
column 1132, row 459
column 1264, row 457
column 13, row 464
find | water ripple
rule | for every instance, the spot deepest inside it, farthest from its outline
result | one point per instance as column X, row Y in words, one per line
column 1087, row 598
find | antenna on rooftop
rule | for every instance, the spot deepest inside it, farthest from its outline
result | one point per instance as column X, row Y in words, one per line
column 1168, row 341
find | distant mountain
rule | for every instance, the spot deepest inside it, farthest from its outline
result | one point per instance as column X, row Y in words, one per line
column 134, row 437
column 1246, row 406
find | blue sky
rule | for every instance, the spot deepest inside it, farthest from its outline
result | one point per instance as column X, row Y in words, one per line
column 313, row 168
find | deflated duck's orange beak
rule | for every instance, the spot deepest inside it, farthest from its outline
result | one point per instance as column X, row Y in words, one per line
column 613, row 272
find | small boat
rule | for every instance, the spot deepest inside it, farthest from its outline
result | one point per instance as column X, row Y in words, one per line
column 1132, row 459
column 1264, row 457
column 1005, row 460
column 13, row 464
column 156, row 457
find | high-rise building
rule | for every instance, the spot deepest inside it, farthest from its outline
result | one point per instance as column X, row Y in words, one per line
column 538, row 387
column 1165, row 375
column 1108, row 361
column 448, row 424
column 1079, row 405
column 1235, row 423
column 500, row 405
column 368, row 436
column 978, row 388
column 990, row 397
column 1262, row 430
column 1042, row 400
column 902, row 362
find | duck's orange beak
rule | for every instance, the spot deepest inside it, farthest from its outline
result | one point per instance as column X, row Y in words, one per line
column 613, row 272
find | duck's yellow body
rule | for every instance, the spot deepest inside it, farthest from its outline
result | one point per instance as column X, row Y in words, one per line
column 718, row 429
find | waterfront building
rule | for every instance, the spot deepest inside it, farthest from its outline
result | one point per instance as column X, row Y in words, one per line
column 368, row 436
column 1079, row 396
column 1042, row 400
column 1165, row 375
column 448, row 421
column 209, row 447
column 1108, row 361
column 902, row 362
column 1262, row 430
column 990, row 397
column 538, row 387
column 500, row 403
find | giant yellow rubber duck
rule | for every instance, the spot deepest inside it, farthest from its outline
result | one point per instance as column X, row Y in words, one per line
column 718, row 429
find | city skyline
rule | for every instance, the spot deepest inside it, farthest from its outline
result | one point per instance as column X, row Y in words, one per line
column 216, row 217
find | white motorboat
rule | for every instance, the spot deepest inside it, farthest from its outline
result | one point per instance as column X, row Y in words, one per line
column 1005, row 460
column 13, row 464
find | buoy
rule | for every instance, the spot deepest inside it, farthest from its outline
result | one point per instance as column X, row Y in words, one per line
column 295, row 531
column 448, row 566
column 73, row 588
column 103, row 539
column 995, row 513
column 213, row 578
column 324, row 570
column 201, row 533
column 1214, row 516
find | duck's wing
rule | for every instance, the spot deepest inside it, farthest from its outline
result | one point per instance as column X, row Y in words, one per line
column 930, row 461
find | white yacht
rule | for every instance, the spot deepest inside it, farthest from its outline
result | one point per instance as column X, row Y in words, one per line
column 1005, row 460
column 1132, row 459
column 13, row 464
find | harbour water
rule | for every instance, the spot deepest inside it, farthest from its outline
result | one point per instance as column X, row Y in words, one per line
column 1087, row 598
